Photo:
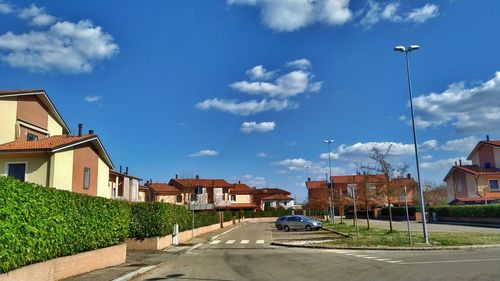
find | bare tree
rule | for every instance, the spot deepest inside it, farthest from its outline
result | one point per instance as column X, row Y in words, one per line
column 380, row 156
column 367, row 193
column 434, row 193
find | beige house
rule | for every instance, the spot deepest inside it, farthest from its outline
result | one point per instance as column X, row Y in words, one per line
column 35, row 146
column 124, row 186
column 477, row 183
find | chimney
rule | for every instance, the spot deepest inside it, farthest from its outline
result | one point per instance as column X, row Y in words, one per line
column 487, row 137
column 460, row 162
column 91, row 132
column 147, row 182
column 80, row 129
column 239, row 182
column 176, row 176
column 151, row 180
column 126, row 170
column 408, row 175
column 308, row 179
column 120, row 169
column 197, row 177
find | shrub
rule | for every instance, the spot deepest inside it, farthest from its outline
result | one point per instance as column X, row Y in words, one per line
column 270, row 213
column 467, row 211
column 39, row 223
column 157, row 219
column 399, row 211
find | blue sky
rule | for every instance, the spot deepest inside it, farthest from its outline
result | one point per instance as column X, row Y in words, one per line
column 249, row 89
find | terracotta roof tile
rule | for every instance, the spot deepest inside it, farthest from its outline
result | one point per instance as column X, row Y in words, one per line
column 316, row 184
column 358, row 178
column 200, row 182
column 241, row 188
column 277, row 197
column 49, row 143
column 164, row 188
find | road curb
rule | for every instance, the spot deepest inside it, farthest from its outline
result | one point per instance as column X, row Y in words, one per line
column 442, row 248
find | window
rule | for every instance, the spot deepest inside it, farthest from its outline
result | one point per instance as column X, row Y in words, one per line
column 86, row 178
column 198, row 190
column 178, row 199
column 459, row 185
column 494, row 184
column 17, row 171
column 233, row 197
column 31, row 137
column 284, row 203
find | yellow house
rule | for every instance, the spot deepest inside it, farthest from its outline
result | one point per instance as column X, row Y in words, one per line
column 35, row 146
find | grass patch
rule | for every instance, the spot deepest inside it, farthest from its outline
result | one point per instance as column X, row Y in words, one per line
column 377, row 237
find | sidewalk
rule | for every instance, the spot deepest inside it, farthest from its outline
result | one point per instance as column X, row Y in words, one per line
column 139, row 262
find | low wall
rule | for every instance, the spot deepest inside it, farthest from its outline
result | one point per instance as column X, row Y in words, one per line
column 64, row 267
column 149, row 244
column 262, row 219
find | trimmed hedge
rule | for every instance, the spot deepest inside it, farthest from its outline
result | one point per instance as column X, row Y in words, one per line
column 157, row 219
column 270, row 213
column 467, row 211
column 39, row 223
column 398, row 211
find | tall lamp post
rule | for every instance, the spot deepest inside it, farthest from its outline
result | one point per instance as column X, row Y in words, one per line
column 332, row 206
column 407, row 50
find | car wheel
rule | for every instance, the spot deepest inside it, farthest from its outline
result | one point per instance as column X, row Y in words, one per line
column 286, row 228
column 308, row 228
column 279, row 227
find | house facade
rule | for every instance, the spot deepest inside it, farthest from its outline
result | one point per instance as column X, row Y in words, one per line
column 477, row 183
column 36, row 146
column 272, row 197
column 124, row 186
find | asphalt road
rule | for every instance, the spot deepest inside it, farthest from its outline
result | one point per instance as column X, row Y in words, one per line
column 245, row 253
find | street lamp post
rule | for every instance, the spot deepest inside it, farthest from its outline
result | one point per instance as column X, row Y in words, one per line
column 406, row 50
column 332, row 206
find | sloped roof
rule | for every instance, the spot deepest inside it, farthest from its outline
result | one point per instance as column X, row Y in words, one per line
column 277, row 197
column 358, row 178
column 55, row 144
column 316, row 184
column 44, row 98
column 481, row 143
column 124, row 175
column 164, row 188
column 270, row 191
column 473, row 169
column 241, row 188
column 200, row 182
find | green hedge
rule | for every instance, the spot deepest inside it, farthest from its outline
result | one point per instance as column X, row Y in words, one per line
column 270, row 213
column 38, row 223
column 467, row 211
column 157, row 219
column 399, row 211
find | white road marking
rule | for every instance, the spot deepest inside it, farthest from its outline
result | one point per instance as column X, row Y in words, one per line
column 450, row 261
column 230, row 242
column 194, row 247
column 393, row 261
column 225, row 232
column 215, row 242
column 260, row 241
column 360, row 256
column 381, row 259
column 134, row 273
column 349, row 254
column 370, row 257
column 244, row 241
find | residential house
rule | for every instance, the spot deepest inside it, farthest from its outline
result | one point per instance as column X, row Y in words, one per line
column 371, row 192
column 203, row 194
column 272, row 197
column 163, row 192
column 479, row 182
column 36, row 146
column 124, row 186
column 241, row 197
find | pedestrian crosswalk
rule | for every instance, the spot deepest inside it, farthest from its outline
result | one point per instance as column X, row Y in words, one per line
column 240, row 242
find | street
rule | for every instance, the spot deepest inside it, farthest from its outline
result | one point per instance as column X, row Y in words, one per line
column 245, row 253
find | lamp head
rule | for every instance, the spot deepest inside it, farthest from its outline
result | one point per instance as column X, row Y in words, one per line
column 413, row 47
column 400, row 49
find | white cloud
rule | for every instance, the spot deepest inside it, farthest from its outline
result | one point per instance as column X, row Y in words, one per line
column 93, row 98
column 463, row 144
column 247, row 107
column 291, row 143
column 64, row 46
column 333, row 156
column 376, row 12
column 261, row 155
column 286, row 86
column 295, row 162
column 290, row 15
column 262, row 127
column 441, row 164
column 5, row 8
column 36, row 16
column 362, row 150
column 299, row 64
column 423, row 14
column 427, row 157
column 430, row 144
column 254, row 181
column 473, row 109
column 259, row 73
column 203, row 153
